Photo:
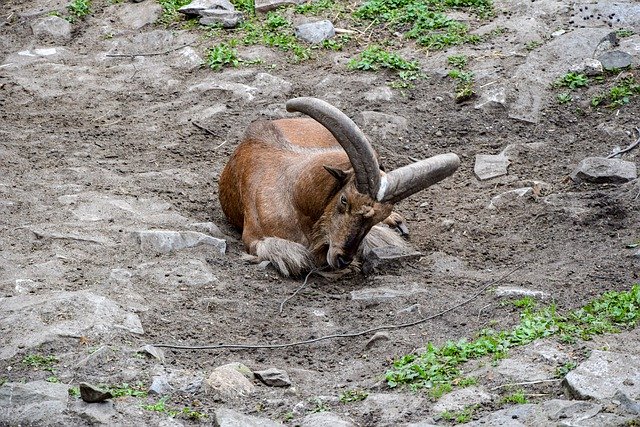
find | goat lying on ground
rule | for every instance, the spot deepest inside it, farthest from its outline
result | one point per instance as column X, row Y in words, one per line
column 309, row 192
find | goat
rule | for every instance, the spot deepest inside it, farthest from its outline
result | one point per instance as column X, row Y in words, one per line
column 307, row 192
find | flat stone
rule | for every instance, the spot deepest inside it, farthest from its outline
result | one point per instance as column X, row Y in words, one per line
column 53, row 28
column 227, row 382
column 160, row 385
column 509, row 197
column 492, row 98
column 196, row 7
column 600, row 170
column 604, row 373
column 315, row 32
column 220, row 17
column 388, row 256
column 382, row 93
column 589, row 66
column 93, row 394
column 383, row 293
column 377, row 338
column 137, row 15
column 615, row 60
column 79, row 313
column 187, row 59
column 489, row 166
column 273, row 377
column 165, row 241
column 325, row 419
column 460, row 399
column 382, row 125
column 390, row 409
column 33, row 403
column 225, row 417
column 271, row 85
column 101, row 414
column 264, row 6
column 514, row 291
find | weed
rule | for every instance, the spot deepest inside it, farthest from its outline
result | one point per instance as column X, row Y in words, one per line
column 465, row 382
column 439, row 365
column 525, row 303
column 572, row 80
column 222, row 55
column 460, row 417
column 52, row 379
column 38, row 362
column 74, row 392
column 562, row 371
column 79, row 8
column 354, row 395
column 458, row 61
column 247, row 6
column 374, row 57
column 564, row 97
column 517, row 397
column 125, row 389
column 533, row 44
column 315, row 7
column 288, row 416
column 624, row 32
column 319, row 406
column 3, row 381
column 159, row 406
column 439, row 390
column 464, row 84
column 170, row 10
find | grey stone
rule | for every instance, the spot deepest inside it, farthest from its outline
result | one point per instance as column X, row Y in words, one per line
column 381, row 124
column 615, row 60
column 589, row 66
column 33, row 403
column 509, row 197
column 489, row 166
column 187, row 59
column 156, row 352
column 273, row 377
column 376, row 338
column 461, row 398
column 193, row 387
column 227, row 382
column 388, row 256
column 515, row 416
column 137, row 15
column 382, row 93
column 315, row 32
column 79, row 313
column 95, row 414
column 165, row 241
column 325, row 419
column 390, row 409
column 514, row 291
column 220, row 17
column 160, row 385
column 225, row 417
column 600, row 170
column 603, row 374
column 93, row 394
column 383, row 293
column 492, row 98
column 52, row 27
column 271, row 85
column 235, row 91
column 264, row 6
column 628, row 405
column 521, row 368
column 197, row 7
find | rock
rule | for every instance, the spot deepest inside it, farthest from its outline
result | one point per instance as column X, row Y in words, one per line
column 79, row 313
column 220, row 17
column 187, row 59
column 508, row 197
column 384, row 293
column 615, row 60
column 33, row 403
column 600, row 170
column 492, row 98
column 52, row 27
column 603, row 374
column 156, row 352
column 315, row 32
column 138, row 15
column 227, row 382
column 461, row 398
column 197, row 7
column 391, row 409
column 628, row 405
column 325, row 419
column 514, row 291
column 388, row 256
column 264, row 6
column 236, row 91
column 165, row 241
column 229, row 418
column 273, row 377
column 92, row 394
column 101, row 414
column 377, row 337
column 589, row 66
column 489, row 166
column 381, row 124
column 382, row 93
column 160, row 385
column 209, row 228
column 270, row 85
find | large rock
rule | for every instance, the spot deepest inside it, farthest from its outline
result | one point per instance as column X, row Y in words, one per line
column 325, row 419
column 273, row 377
column 604, row 373
column 53, row 28
column 196, row 7
column 229, row 382
column 27, row 321
column 229, row 418
column 489, row 166
column 136, row 15
column 600, row 170
column 165, row 241
column 459, row 399
column 315, row 32
column 35, row 403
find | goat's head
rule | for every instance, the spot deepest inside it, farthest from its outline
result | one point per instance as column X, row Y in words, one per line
column 365, row 194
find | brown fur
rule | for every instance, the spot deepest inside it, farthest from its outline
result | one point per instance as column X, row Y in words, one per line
column 277, row 190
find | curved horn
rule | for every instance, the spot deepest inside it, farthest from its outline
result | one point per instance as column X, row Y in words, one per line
column 355, row 143
column 407, row 180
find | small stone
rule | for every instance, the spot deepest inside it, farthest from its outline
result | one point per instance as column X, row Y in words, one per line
column 153, row 351
column 160, row 385
column 325, row 419
column 165, row 241
column 600, row 170
column 508, row 197
column 383, row 125
column 52, row 27
column 489, row 166
column 461, row 398
column 615, row 60
column 227, row 382
column 448, row 224
column 273, row 377
column 196, row 7
column 263, row 6
column 92, row 394
column 220, row 17
column 377, row 337
column 589, row 66
column 315, row 32
column 493, row 98
column 512, row 291
column 387, row 256
column 382, row 93
column 225, row 417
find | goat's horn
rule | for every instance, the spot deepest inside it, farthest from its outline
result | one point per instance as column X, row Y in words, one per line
column 407, row 180
column 352, row 139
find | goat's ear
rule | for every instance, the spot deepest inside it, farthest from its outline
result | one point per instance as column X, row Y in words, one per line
column 338, row 174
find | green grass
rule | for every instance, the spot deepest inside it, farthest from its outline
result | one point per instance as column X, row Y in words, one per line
column 439, row 365
column 562, row 371
column 79, row 8
column 460, row 417
column 375, row 58
column 564, row 98
column 572, row 81
column 518, row 398
column 354, row 395
column 170, row 10
column 40, row 363
column 624, row 32
column 125, row 389
column 222, row 55
column 185, row 412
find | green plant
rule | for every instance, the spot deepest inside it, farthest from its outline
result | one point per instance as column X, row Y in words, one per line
column 315, row 7
column 52, row 379
column 624, row 32
column 460, row 417
column 440, row 365
column 458, row 61
column 562, row 371
column 374, row 57
column 319, row 405
column 354, row 395
column 170, row 10
column 564, row 97
column 247, row 6
column 137, row 390
column 439, row 390
column 74, row 392
column 39, row 362
column 533, row 44
column 464, row 84
column 572, row 80
column 222, row 55
column 159, row 406
column 79, row 8
column 517, row 397
column 525, row 302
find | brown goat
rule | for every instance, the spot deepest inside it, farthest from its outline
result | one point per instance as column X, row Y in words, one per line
column 309, row 192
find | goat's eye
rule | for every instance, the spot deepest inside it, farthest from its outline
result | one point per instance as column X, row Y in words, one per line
column 343, row 200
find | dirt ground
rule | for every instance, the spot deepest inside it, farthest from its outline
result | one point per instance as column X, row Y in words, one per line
column 77, row 128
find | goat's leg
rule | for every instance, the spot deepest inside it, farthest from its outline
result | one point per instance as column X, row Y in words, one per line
column 289, row 258
column 396, row 221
